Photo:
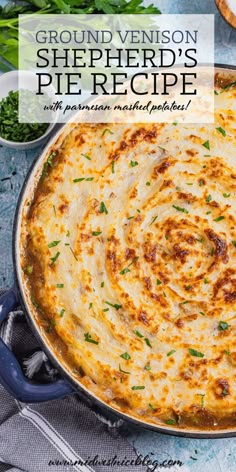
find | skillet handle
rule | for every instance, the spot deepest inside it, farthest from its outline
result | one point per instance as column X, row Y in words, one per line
column 11, row 376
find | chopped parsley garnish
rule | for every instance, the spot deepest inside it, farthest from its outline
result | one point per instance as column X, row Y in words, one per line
column 148, row 184
column 113, row 167
column 153, row 220
column 147, row 342
column 208, row 212
column 195, row 353
column 102, row 284
column 79, row 180
column 89, row 339
column 125, row 356
column 107, row 130
column 86, row 156
column 90, row 305
column 180, row 209
column 206, row 281
column 138, row 387
column 202, row 313
column 234, row 243
column 133, row 163
column 159, row 282
column 29, row 269
column 117, row 307
column 147, row 367
column 151, row 406
column 184, row 303
column 201, row 182
column 188, row 287
column 67, row 233
column 221, row 130
column 226, row 195
column 54, row 243
column 178, row 188
column 123, row 371
column 105, row 310
column 46, row 165
column 220, row 218
column 224, row 393
column 73, row 253
column 227, row 352
column 208, row 198
column 223, row 326
column 62, row 312
column 212, row 252
column 130, row 217
column 96, row 233
column 53, row 259
column 207, row 145
column 60, row 285
column 175, row 123
column 126, row 269
column 170, row 422
column 138, row 333
column 170, row 352
column 103, row 208
column 54, row 210
column 202, row 395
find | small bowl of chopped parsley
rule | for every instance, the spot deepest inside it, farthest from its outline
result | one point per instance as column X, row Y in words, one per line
column 13, row 133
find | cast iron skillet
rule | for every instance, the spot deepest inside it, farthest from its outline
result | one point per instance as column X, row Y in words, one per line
column 11, row 376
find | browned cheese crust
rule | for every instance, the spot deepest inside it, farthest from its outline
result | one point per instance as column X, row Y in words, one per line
column 129, row 250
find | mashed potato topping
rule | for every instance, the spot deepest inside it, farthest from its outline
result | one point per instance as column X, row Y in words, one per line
column 129, row 251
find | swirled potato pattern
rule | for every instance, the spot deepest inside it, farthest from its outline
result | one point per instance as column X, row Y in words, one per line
column 129, row 247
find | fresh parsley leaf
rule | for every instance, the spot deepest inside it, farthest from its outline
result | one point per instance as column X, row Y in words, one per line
column 53, row 243
column 133, row 163
column 117, row 307
column 221, row 130
column 180, row 209
column 53, row 259
column 138, row 333
column 103, row 208
column 223, row 326
column 207, row 145
column 107, row 130
column 86, row 156
column 147, row 342
column 195, row 353
column 220, row 218
column 138, row 387
column 170, row 422
column 170, row 352
column 89, row 339
column 124, row 371
column 125, row 356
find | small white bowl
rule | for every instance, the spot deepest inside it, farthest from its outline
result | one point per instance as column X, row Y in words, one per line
column 10, row 81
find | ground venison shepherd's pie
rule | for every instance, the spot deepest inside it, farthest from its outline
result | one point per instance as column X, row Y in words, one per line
column 129, row 247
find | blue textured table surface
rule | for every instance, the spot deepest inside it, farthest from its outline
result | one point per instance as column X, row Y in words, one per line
column 197, row 455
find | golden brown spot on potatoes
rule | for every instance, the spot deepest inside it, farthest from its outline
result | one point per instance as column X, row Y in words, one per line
column 162, row 167
column 180, row 253
column 150, row 252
